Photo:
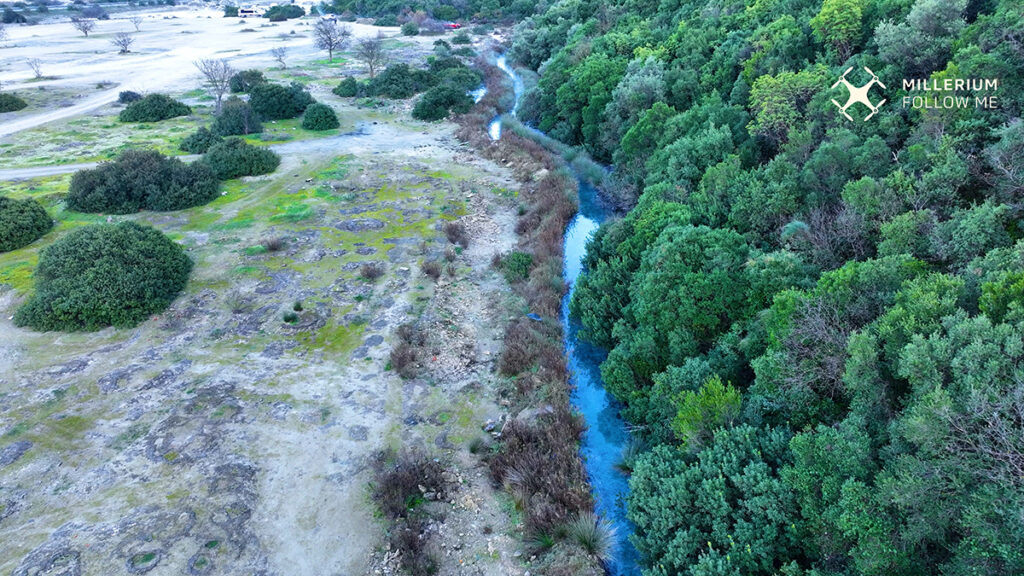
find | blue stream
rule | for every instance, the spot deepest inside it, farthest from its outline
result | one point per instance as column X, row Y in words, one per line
column 606, row 435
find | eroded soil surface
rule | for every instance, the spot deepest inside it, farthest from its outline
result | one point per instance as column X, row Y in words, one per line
column 222, row 438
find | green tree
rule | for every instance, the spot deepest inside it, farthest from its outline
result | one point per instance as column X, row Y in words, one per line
column 838, row 23
column 702, row 412
column 728, row 502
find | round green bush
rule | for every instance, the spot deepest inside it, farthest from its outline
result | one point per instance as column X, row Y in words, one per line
column 127, row 97
column 386, row 20
column 348, row 88
column 154, row 108
column 200, row 141
column 234, row 158
column 236, row 118
column 439, row 101
column 319, row 117
column 461, row 38
column 464, row 79
column 410, row 28
column 244, row 81
column 22, row 222
column 104, row 275
column 11, row 103
column 277, row 102
column 400, row 81
column 142, row 180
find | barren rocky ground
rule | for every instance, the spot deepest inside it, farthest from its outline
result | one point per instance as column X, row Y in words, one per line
column 216, row 438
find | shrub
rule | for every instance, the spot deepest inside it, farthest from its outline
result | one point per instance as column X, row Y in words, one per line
column 445, row 13
column 319, row 117
column 461, row 38
column 456, row 233
column 439, row 65
column 21, row 222
column 432, row 268
column 244, row 81
column 400, row 81
column 283, row 12
column 235, row 157
column 104, row 275
column 348, row 88
column 407, row 349
column 397, row 479
column 200, row 141
column 11, row 103
column 462, row 79
column 236, row 118
column 371, row 271
column 410, row 28
column 274, row 244
column 276, row 102
column 127, row 97
column 516, row 266
column 386, row 20
column 141, row 180
column 440, row 101
column 153, row 108
column 465, row 52
column 230, row 11
column 290, row 317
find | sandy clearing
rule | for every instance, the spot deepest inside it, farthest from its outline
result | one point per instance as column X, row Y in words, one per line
column 162, row 56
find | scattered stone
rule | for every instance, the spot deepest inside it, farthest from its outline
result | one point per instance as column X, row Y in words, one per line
column 12, row 452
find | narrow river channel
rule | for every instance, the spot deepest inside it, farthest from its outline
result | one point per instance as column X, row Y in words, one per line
column 606, row 436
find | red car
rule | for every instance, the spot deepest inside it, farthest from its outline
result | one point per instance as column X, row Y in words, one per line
column 452, row 25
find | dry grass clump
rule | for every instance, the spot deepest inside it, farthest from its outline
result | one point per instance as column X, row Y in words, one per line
column 456, row 233
column 408, row 350
column 401, row 482
column 431, row 268
column 371, row 271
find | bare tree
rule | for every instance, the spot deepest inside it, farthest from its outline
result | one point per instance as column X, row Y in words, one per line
column 136, row 21
column 279, row 54
column 327, row 35
column 37, row 66
column 83, row 25
column 372, row 53
column 218, row 75
column 124, row 41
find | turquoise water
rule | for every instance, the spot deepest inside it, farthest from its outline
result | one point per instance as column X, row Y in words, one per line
column 606, row 436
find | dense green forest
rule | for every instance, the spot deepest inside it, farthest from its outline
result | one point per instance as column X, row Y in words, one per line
column 816, row 324
column 439, row 9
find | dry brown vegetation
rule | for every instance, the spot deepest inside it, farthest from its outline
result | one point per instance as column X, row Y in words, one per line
column 538, row 461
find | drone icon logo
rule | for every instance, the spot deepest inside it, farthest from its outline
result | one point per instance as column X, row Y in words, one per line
column 858, row 94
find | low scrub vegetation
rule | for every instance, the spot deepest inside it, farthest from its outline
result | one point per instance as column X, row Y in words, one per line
column 440, row 101
column 244, row 80
column 347, row 88
column 104, row 275
column 127, row 97
column 236, row 118
column 142, row 180
column 408, row 350
column 153, row 108
column 234, row 158
column 402, row 483
column 278, row 102
column 22, row 221
column 11, row 102
column 200, row 141
column 319, row 117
